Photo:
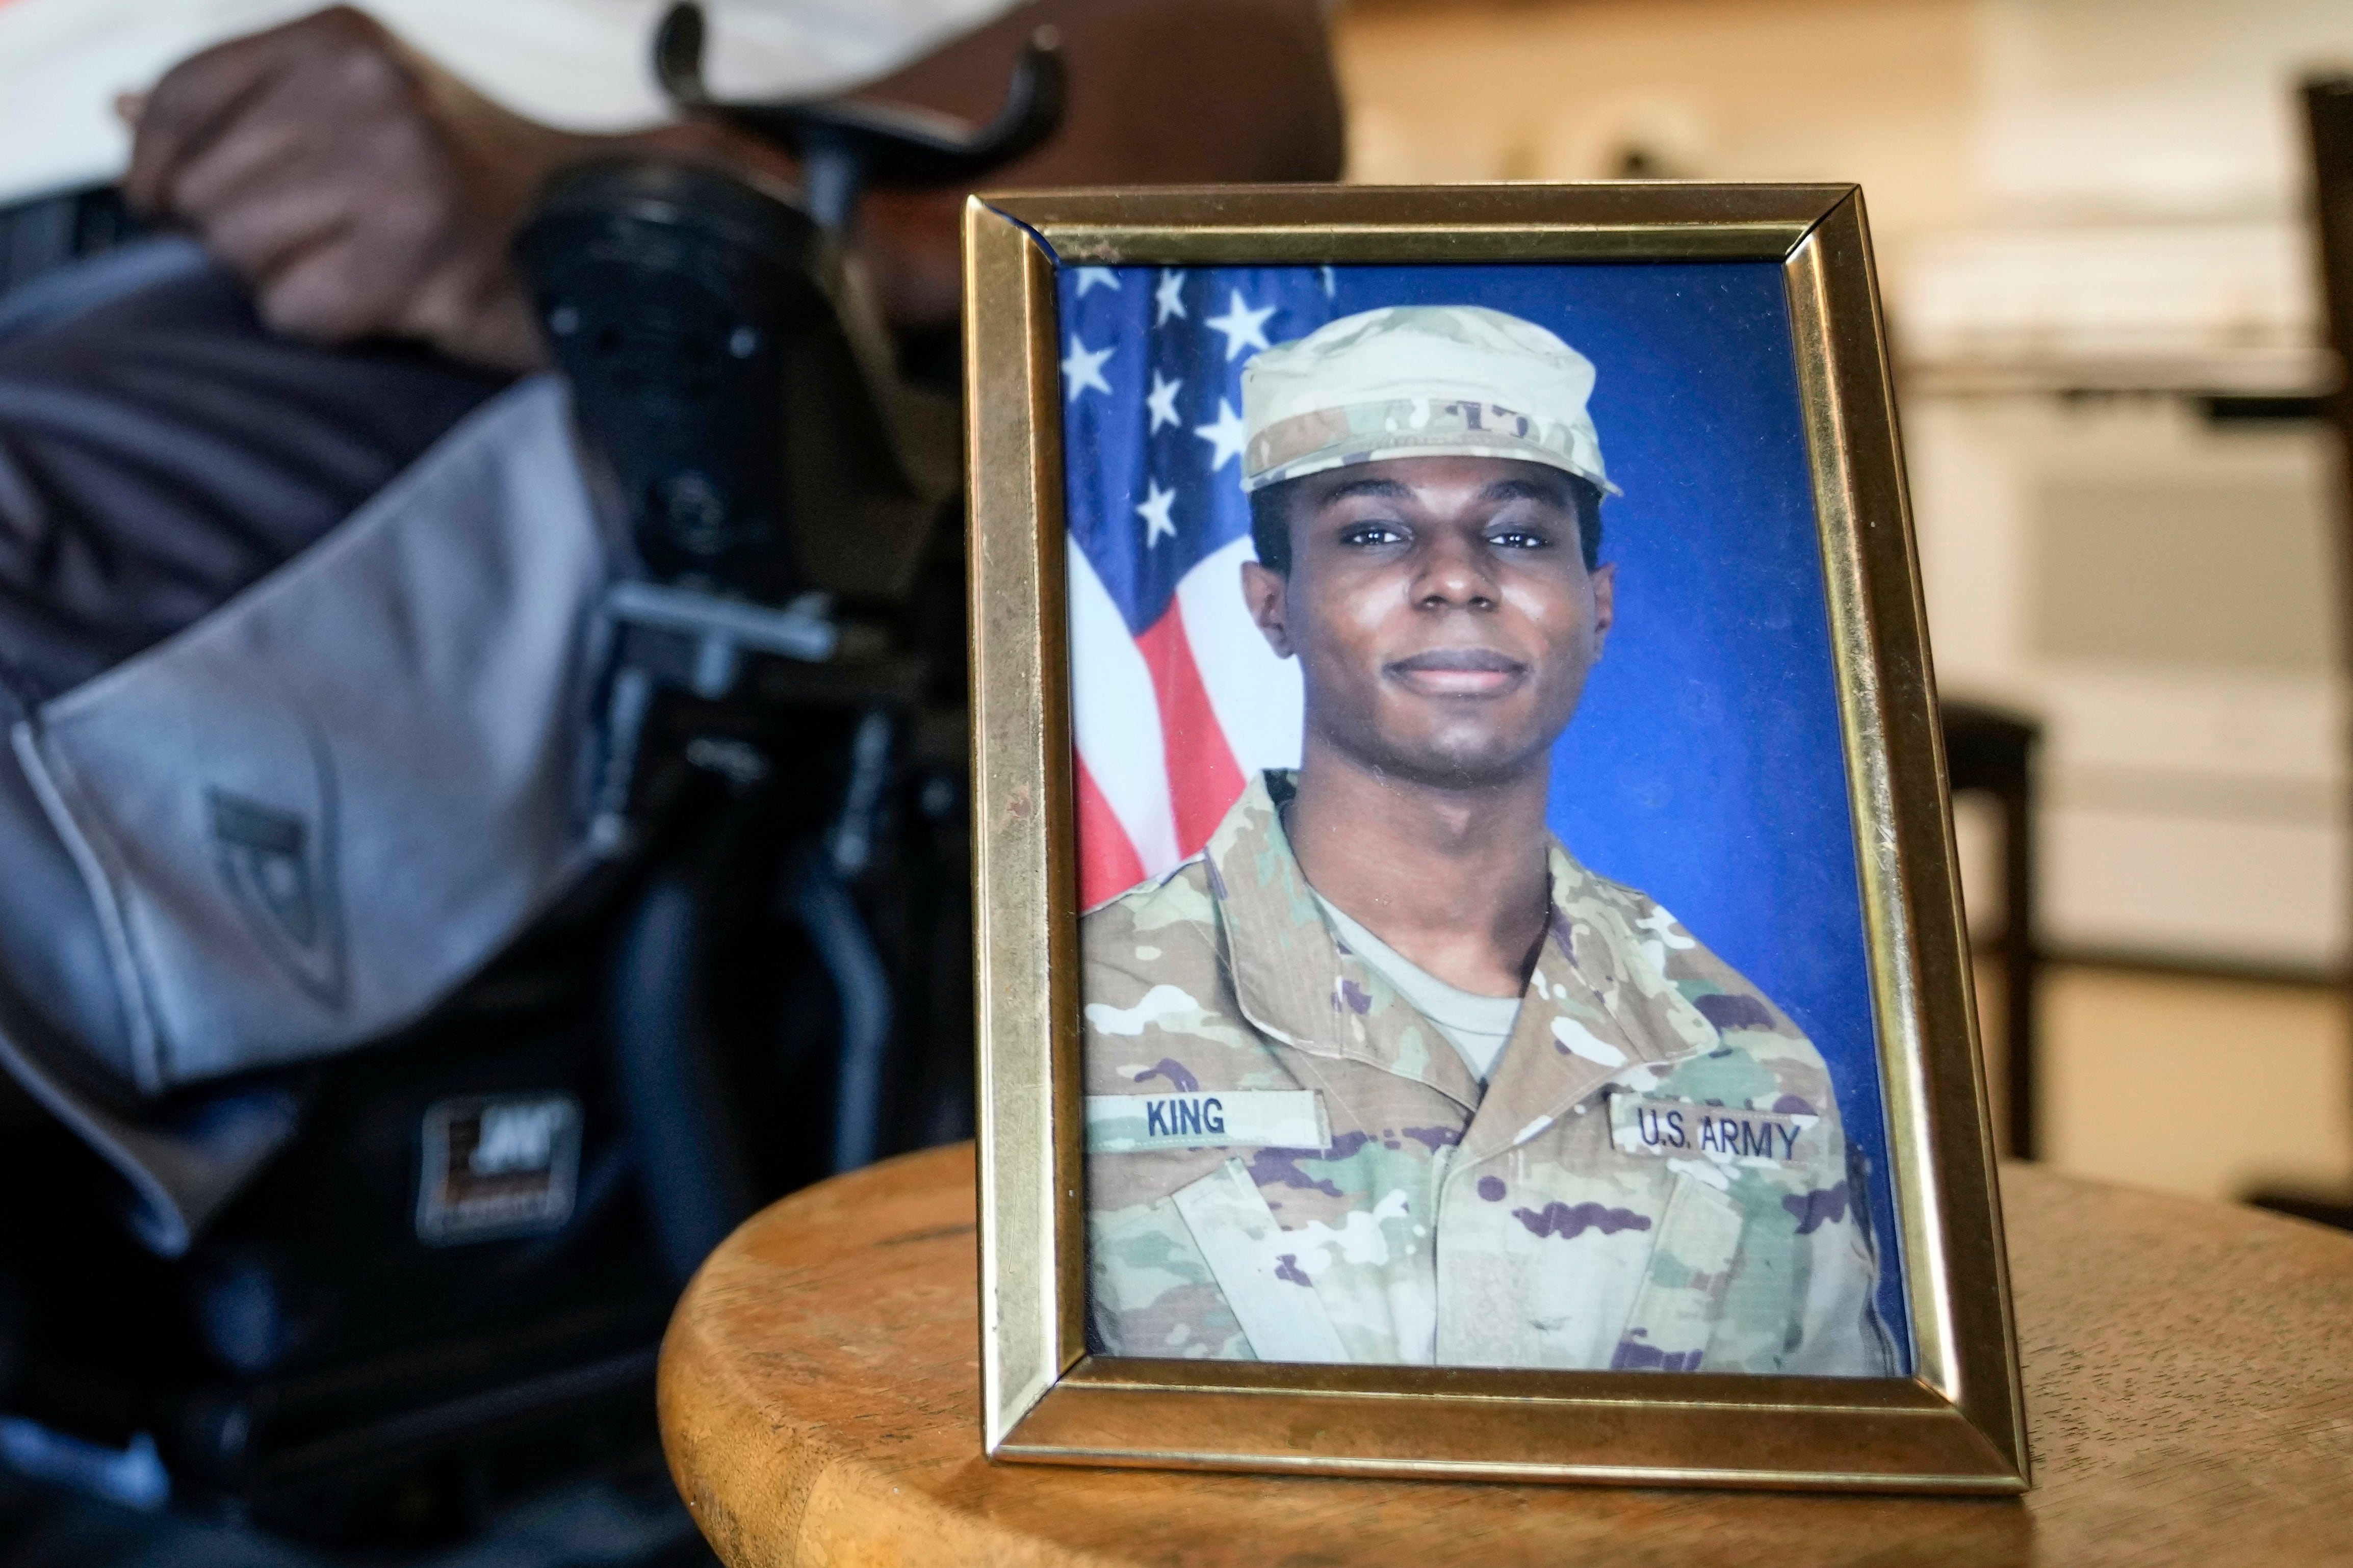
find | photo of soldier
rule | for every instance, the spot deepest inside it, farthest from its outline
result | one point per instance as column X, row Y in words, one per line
column 1384, row 1074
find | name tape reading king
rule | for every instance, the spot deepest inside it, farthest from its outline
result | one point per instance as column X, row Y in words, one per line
column 1256, row 1119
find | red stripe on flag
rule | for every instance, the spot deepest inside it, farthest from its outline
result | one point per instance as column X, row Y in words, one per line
column 1203, row 780
column 1108, row 865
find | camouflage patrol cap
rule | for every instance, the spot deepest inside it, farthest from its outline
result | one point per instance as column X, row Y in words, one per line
column 1418, row 381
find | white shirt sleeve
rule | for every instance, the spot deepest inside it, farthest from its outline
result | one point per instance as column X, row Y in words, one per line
column 579, row 64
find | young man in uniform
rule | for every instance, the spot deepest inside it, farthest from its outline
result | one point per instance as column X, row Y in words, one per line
column 1384, row 1075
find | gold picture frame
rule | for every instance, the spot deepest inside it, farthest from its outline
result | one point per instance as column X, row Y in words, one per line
column 1957, row 1424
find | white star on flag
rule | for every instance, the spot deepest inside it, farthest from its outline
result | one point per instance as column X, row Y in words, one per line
column 1154, row 513
column 1224, row 436
column 1244, row 328
column 1161, row 401
column 1084, row 369
column 1169, row 299
column 1089, row 276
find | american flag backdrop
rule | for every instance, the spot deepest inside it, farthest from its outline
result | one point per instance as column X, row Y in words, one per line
column 1176, row 699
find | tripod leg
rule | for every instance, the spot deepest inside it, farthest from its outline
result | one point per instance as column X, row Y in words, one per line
column 696, row 1182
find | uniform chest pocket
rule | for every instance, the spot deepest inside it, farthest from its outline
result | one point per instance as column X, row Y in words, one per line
column 1682, row 1294
column 1279, row 1310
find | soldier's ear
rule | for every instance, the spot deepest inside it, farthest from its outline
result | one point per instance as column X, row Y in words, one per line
column 1265, row 591
column 1605, row 603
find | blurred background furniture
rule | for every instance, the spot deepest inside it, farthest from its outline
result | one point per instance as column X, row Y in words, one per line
column 1990, row 750
column 820, row 1404
column 2327, row 103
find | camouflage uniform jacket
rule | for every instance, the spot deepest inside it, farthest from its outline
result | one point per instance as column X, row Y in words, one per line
column 1287, row 1163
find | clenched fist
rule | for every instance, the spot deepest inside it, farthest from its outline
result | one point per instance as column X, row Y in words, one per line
column 366, row 192
column 359, row 187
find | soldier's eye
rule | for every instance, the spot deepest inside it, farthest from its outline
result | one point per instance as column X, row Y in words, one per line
column 1519, row 539
column 1365, row 535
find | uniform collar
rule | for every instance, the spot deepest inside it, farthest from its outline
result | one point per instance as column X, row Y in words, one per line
column 1597, row 1005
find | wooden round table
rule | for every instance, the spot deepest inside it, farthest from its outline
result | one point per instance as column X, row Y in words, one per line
column 2188, row 1381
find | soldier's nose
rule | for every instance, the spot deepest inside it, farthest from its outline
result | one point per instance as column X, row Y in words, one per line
column 1457, row 585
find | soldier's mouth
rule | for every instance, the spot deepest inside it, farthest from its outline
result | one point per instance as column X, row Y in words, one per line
column 1459, row 672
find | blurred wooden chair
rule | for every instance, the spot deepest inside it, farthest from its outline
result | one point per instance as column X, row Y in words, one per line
column 1991, row 750
column 2328, row 128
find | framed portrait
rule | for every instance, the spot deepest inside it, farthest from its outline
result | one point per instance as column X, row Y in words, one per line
column 1471, row 978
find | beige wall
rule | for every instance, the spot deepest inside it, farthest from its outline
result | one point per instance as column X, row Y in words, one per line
column 1877, row 92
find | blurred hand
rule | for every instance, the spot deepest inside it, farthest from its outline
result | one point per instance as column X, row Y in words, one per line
column 361, row 189
column 364, row 192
